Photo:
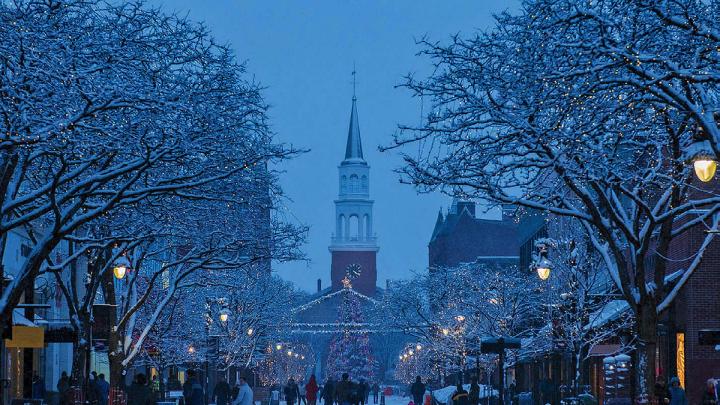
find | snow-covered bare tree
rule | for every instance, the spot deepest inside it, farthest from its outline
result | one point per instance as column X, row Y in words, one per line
column 532, row 113
column 114, row 105
column 585, row 309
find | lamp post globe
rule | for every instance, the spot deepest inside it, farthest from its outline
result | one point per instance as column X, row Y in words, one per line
column 224, row 315
column 704, row 168
column 119, row 272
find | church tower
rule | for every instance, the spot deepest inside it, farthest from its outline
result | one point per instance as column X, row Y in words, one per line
column 354, row 245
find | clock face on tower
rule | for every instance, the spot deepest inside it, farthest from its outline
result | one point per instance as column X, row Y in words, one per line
column 353, row 271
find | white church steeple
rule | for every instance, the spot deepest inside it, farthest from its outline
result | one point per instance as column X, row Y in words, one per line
column 353, row 208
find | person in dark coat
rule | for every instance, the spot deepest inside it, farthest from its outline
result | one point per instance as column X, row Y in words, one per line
column 102, row 390
column 38, row 387
column 418, row 391
column 343, row 390
column 474, row 394
column 363, row 391
column 63, row 387
column 460, row 397
column 193, row 390
column 311, row 390
column 139, row 392
column 292, row 392
column 221, row 393
column 328, row 392
column 375, row 392
column 708, row 396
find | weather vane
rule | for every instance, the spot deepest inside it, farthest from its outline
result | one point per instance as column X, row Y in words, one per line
column 354, row 73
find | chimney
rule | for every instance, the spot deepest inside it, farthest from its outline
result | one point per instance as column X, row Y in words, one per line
column 319, row 284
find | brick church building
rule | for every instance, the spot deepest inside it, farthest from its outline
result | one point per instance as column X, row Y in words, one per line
column 353, row 249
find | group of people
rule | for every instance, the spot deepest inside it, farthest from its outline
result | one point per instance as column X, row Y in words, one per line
column 343, row 392
column 98, row 392
column 675, row 394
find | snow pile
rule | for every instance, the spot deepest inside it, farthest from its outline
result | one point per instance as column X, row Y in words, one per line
column 444, row 395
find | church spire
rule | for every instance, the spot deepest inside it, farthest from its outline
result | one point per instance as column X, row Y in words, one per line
column 353, row 149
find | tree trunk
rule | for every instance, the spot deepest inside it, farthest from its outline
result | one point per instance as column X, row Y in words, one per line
column 644, row 362
column 82, row 346
column 116, row 353
column 115, row 358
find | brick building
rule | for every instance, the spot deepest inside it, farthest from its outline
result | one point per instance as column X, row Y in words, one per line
column 460, row 237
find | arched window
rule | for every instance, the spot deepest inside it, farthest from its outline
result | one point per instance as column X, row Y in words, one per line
column 354, row 227
column 354, row 183
column 364, row 184
column 341, row 227
column 366, row 226
column 343, row 184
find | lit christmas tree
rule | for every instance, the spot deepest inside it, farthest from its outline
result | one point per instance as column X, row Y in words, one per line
column 350, row 349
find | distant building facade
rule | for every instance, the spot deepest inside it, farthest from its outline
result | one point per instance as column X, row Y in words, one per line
column 460, row 237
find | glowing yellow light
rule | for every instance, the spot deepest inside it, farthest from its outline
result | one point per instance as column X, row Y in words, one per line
column 119, row 272
column 460, row 318
column 278, row 346
column 191, row 350
column 250, row 331
column 543, row 272
column 410, row 352
column 445, row 331
column 418, row 347
column 704, row 168
column 289, row 352
column 680, row 357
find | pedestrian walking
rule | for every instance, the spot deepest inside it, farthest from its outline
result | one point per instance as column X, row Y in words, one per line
column 375, row 392
column 709, row 396
column 418, row 390
column 328, row 392
column 311, row 391
column 302, row 393
column 192, row 390
column 63, row 387
column 92, row 398
column 343, row 390
column 474, row 394
column 221, row 392
column 38, row 387
column 245, row 394
column 364, row 391
column 460, row 397
column 292, row 393
column 139, row 392
column 102, row 390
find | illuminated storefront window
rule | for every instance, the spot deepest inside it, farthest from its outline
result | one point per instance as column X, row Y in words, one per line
column 680, row 356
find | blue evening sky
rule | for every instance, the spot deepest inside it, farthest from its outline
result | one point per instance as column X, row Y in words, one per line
column 304, row 51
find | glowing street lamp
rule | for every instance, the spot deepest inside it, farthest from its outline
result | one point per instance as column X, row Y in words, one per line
column 704, row 168
column 121, row 267
column 224, row 315
column 701, row 155
column 543, row 269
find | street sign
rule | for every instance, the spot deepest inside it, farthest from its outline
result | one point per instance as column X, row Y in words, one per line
column 497, row 345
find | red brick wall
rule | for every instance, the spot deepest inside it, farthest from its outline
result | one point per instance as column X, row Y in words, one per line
column 365, row 284
column 696, row 308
